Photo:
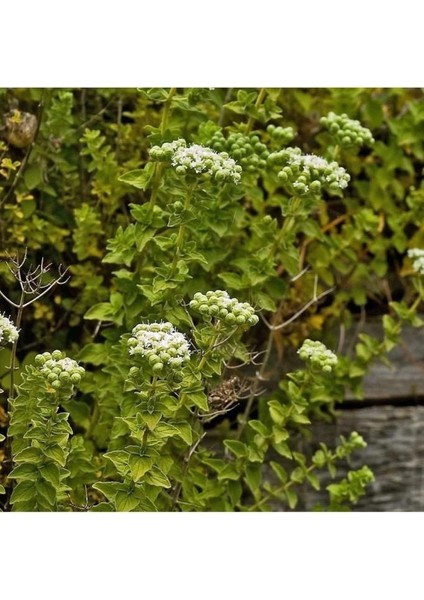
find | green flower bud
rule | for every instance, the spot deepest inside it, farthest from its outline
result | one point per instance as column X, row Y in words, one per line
column 230, row 319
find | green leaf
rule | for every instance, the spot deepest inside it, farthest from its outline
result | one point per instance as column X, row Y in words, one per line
column 23, row 491
column 126, row 502
column 277, row 412
column 165, row 430
column 199, row 399
column 33, row 176
column 297, row 475
column 314, row 481
column 80, row 412
column 233, row 281
column 47, row 491
column 237, row 448
column 2, row 490
column 280, row 434
column 29, row 506
column 29, row 455
column 253, row 477
column 109, row 488
column 139, row 465
column 279, row 471
column 26, row 471
column 119, row 459
column 235, row 491
column 139, row 178
column 56, row 453
column 158, row 478
column 184, row 431
column 151, row 419
column 300, row 419
column 259, row 427
column 94, row 354
column 51, row 473
column 229, row 472
column 283, row 449
column 291, row 498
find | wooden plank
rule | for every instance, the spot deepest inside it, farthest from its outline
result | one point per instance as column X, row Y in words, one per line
column 404, row 379
column 395, row 453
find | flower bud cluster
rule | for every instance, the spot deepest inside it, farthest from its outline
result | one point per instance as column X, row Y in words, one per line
column 248, row 150
column 318, row 354
column 282, row 135
column 160, row 345
column 8, row 331
column 307, row 173
column 418, row 264
column 198, row 159
column 60, row 371
column 347, row 132
column 219, row 305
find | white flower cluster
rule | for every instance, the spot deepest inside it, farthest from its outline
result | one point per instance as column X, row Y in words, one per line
column 218, row 304
column 8, row 331
column 160, row 344
column 59, row 370
column 198, row 159
column 318, row 354
column 307, row 173
column 418, row 264
column 347, row 132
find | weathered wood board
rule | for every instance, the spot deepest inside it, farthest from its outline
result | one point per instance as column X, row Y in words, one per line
column 395, row 453
column 404, row 379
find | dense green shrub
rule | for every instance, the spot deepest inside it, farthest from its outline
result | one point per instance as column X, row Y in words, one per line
column 207, row 234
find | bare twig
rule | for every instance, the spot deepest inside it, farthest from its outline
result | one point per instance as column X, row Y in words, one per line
column 301, row 311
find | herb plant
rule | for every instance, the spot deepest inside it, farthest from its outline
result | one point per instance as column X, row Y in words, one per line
column 207, row 234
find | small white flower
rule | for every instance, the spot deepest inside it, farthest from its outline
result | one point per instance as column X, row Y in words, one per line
column 418, row 264
column 8, row 331
column 160, row 343
column 308, row 172
column 198, row 158
column 318, row 354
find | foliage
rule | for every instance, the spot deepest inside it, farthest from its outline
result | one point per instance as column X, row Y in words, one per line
column 183, row 216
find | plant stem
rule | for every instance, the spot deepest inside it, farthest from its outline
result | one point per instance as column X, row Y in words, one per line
column 12, row 364
column 94, row 420
column 288, row 223
column 259, row 378
column 180, row 235
column 166, row 110
column 157, row 177
column 336, row 151
column 259, row 100
column 209, row 349
column 187, row 457
column 280, row 490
